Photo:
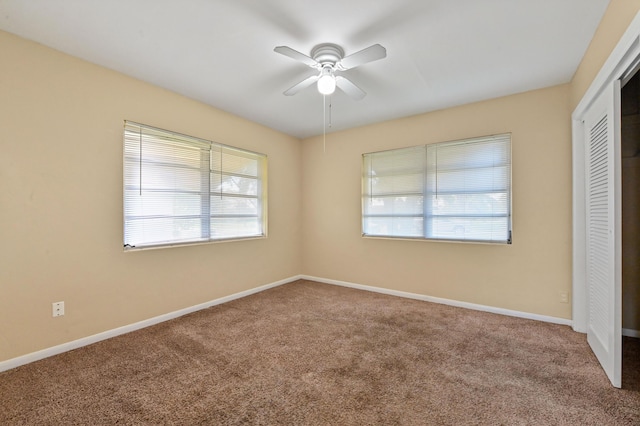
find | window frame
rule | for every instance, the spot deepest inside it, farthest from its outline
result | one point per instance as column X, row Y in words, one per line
column 425, row 214
column 206, row 169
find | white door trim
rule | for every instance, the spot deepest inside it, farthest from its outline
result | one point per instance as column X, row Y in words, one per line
column 623, row 57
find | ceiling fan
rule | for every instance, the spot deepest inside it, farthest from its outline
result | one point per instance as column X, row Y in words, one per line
column 329, row 59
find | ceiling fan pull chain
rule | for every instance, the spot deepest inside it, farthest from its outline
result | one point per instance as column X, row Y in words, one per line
column 140, row 166
column 324, row 123
column 330, row 106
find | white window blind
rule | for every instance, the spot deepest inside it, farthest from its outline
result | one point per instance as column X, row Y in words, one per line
column 448, row 191
column 180, row 189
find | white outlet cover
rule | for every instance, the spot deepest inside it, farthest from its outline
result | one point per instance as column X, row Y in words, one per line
column 57, row 309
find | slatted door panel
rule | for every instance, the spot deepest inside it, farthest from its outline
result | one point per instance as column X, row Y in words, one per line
column 603, row 331
column 599, row 265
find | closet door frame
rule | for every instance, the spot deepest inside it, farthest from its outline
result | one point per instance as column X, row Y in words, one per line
column 623, row 62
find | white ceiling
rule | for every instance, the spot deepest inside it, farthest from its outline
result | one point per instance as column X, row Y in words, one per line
column 440, row 53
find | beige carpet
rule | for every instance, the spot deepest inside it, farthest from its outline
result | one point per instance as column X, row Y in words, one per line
column 313, row 354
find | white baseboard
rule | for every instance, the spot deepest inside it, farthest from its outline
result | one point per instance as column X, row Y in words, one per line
column 55, row 350
column 629, row 332
column 449, row 302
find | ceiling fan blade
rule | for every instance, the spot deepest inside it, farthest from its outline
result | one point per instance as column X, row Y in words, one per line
column 370, row 54
column 294, row 54
column 348, row 87
column 302, row 85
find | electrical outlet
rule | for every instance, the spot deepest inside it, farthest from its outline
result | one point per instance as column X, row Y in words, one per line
column 58, row 309
column 564, row 297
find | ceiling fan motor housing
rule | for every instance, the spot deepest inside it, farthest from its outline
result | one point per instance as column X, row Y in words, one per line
column 327, row 54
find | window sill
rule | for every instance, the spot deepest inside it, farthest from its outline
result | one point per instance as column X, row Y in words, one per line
column 191, row 243
column 437, row 240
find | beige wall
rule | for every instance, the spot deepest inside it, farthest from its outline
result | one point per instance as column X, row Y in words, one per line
column 614, row 23
column 526, row 276
column 61, row 203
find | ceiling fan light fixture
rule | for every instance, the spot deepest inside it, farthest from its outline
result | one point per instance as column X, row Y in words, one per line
column 327, row 82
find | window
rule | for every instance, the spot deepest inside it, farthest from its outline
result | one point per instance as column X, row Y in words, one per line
column 179, row 189
column 447, row 191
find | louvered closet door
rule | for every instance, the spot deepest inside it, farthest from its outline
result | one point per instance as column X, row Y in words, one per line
column 602, row 132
